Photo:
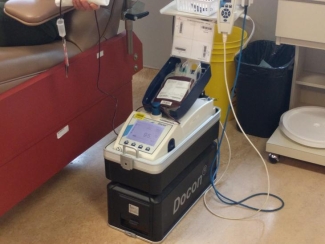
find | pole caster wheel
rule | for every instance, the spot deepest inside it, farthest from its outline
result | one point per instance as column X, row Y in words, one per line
column 274, row 158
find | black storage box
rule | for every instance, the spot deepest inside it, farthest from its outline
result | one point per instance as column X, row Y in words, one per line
column 263, row 86
column 155, row 183
column 152, row 217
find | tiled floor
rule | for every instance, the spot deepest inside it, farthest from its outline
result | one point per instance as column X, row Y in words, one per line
column 72, row 206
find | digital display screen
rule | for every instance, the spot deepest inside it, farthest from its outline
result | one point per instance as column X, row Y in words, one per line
column 145, row 132
column 224, row 2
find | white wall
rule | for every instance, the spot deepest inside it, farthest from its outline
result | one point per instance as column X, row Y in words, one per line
column 155, row 31
column 264, row 12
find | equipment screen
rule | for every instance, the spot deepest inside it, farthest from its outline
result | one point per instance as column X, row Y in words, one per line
column 145, row 132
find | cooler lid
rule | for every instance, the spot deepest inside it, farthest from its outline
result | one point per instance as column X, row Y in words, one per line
column 305, row 125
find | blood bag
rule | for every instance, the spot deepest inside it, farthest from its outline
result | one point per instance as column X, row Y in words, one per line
column 178, row 84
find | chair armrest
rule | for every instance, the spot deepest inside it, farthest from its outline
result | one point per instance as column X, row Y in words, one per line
column 33, row 12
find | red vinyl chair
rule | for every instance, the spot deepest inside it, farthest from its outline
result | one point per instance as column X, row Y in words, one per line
column 48, row 119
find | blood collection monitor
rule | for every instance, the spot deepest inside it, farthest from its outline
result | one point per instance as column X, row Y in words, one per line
column 144, row 134
column 150, row 143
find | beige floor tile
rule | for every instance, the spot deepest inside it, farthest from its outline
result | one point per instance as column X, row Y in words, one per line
column 72, row 206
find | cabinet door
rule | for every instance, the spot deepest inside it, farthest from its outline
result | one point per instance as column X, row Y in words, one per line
column 301, row 20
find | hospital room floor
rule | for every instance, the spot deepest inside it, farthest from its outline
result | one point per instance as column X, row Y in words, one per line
column 72, row 206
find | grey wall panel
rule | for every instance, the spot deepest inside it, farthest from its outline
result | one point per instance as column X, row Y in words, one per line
column 155, row 31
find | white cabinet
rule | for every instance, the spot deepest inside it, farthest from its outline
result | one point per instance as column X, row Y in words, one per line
column 308, row 84
column 302, row 23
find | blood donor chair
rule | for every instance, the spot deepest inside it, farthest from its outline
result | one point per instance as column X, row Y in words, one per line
column 48, row 119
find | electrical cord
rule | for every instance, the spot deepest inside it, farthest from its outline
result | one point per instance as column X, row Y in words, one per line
column 250, row 142
column 98, row 77
column 60, row 9
column 99, row 65
column 244, row 17
column 213, row 177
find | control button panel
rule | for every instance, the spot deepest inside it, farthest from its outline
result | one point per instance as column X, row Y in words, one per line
column 144, row 134
column 226, row 13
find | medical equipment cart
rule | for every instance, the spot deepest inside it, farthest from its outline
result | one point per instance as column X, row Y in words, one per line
column 308, row 84
column 155, row 159
column 160, row 165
